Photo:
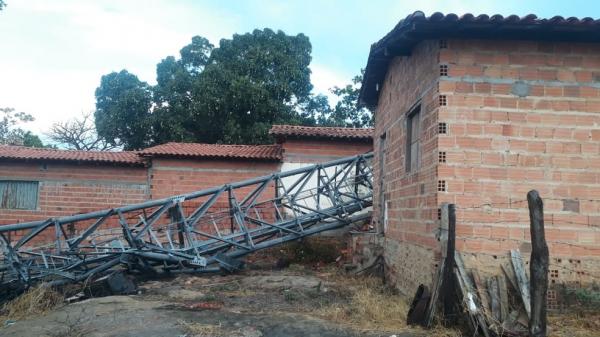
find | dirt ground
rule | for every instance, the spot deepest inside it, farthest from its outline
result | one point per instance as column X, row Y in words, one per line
column 296, row 301
column 311, row 298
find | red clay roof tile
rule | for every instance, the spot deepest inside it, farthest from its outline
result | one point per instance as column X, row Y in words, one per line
column 417, row 27
column 322, row 132
column 31, row 153
column 198, row 150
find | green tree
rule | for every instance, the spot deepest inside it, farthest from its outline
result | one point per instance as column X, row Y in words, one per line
column 123, row 112
column 232, row 93
column 250, row 82
column 2, row 5
column 314, row 111
column 11, row 134
column 229, row 94
column 173, row 92
column 346, row 112
column 32, row 140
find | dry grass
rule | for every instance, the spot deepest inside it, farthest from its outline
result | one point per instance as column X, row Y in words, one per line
column 202, row 330
column 574, row 325
column 374, row 307
column 35, row 301
column 440, row 331
column 371, row 307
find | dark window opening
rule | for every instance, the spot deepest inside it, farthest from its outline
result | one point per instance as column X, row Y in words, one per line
column 443, row 44
column 413, row 151
column 18, row 194
column 441, row 185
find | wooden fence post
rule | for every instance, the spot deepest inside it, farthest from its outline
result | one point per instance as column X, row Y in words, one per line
column 538, row 266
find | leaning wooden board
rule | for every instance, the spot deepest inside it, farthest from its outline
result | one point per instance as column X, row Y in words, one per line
column 522, row 280
column 469, row 295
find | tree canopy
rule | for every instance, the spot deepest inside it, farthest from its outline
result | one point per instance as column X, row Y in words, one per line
column 12, row 134
column 122, row 114
column 231, row 93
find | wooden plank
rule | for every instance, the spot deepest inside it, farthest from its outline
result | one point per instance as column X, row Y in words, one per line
column 482, row 292
column 467, row 300
column 437, row 283
column 433, row 302
column 510, row 322
column 503, row 290
column 522, row 281
column 468, row 293
column 510, row 276
column 538, row 266
column 492, row 284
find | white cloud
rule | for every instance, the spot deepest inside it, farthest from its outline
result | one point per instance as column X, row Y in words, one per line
column 324, row 78
column 53, row 53
column 60, row 49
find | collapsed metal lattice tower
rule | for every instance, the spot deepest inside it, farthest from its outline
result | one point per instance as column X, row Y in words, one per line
column 203, row 231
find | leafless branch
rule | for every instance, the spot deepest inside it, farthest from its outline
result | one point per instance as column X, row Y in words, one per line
column 79, row 134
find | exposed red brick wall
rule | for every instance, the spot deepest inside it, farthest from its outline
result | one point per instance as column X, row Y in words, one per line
column 321, row 150
column 66, row 189
column 411, row 197
column 498, row 146
column 69, row 188
column 170, row 177
column 501, row 145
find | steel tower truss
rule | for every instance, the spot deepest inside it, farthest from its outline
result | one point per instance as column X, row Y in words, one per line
column 203, row 231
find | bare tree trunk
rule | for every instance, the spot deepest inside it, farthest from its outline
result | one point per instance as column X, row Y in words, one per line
column 538, row 266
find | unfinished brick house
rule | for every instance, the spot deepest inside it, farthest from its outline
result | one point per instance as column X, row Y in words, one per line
column 178, row 168
column 36, row 184
column 313, row 144
column 477, row 111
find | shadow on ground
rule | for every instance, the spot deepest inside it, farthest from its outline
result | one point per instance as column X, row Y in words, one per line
column 252, row 304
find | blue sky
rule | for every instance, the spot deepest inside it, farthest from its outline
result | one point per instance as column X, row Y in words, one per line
column 53, row 52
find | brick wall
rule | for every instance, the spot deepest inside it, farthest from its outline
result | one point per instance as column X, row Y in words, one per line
column 175, row 176
column 522, row 116
column 502, row 118
column 411, row 198
column 68, row 188
column 169, row 177
column 308, row 150
column 301, row 152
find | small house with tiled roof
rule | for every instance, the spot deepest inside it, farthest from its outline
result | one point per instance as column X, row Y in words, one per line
column 303, row 145
column 38, row 183
column 42, row 183
column 177, row 168
column 476, row 111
